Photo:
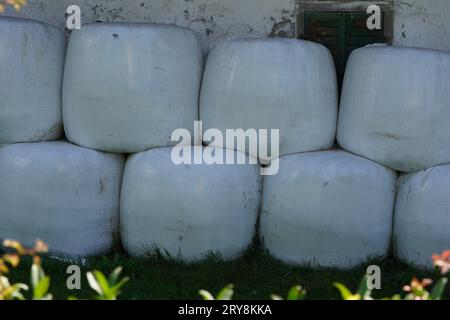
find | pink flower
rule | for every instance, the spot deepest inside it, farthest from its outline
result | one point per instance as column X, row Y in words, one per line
column 442, row 261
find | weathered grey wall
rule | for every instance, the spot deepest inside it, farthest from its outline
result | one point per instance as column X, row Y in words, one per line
column 211, row 19
column 421, row 23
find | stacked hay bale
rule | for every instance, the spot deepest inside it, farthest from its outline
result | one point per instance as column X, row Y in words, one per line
column 395, row 109
column 32, row 60
column 322, row 208
column 55, row 191
column 422, row 215
column 128, row 86
column 62, row 193
column 131, row 102
column 188, row 211
column 329, row 209
column 282, row 84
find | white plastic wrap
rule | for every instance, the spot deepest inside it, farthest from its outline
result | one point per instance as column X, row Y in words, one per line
column 127, row 86
column 282, row 84
column 395, row 107
column 422, row 216
column 65, row 195
column 328, row 208
column 188, row 211
column 31, row 67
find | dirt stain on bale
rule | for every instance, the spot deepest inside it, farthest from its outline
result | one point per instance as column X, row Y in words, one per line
column 53, row 133
column 389, row 136
column 101, row 186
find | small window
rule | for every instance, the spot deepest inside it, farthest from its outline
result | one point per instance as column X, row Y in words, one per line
column 341, row 33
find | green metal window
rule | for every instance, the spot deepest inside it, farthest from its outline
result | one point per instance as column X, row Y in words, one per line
column 341, row 33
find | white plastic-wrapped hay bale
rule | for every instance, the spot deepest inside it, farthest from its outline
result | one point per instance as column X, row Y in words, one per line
column 65, row 195
column 31, row 67
column 127, row 86
column 283, row 84
column 422, row 216
column 328, row 208
column 395, row 107
column 187, row 211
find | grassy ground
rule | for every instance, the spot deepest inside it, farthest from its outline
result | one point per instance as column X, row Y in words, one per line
column 255, row 276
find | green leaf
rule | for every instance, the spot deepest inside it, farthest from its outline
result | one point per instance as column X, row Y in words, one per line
column 114, row 276
column 40, row 291
column 296, row 293
column 397, row 297
column 345, row 292
column 115, row 291
column 35, row 275
column 106, row 289
column 438, row 290
column 103, row 283
column 206, row 295
column 364, row 291
column 93, row 283
column 16, row 293
column 226, row 293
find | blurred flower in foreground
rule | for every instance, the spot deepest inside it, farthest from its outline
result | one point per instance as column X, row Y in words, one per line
column 417, row 290
column 16, row 4
column 442, row 261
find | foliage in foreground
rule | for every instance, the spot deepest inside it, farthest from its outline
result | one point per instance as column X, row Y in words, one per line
column 416, row 290
column 108, row 288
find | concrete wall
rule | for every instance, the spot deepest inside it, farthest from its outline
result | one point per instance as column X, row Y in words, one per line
column 422, row 23
column 211, row 19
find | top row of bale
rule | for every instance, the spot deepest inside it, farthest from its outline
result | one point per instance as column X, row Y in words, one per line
column 124, row 87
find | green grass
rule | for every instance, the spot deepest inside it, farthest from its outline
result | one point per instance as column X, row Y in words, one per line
column 255, row 276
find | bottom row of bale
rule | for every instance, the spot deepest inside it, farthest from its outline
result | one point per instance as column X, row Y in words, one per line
column 327, row 208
